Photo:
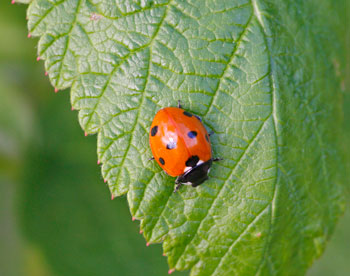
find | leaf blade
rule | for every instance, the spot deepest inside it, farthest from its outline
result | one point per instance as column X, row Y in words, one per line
column 231, row 63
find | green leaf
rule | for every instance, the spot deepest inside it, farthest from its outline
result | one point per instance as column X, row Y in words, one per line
column 262, row 76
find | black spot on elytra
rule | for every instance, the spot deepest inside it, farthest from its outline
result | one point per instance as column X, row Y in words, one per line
column 192, row 161
column 154, row 130
column 192, row 134
column 207, row 137
column 161, row 160
column 188, row 114
column 171, row 145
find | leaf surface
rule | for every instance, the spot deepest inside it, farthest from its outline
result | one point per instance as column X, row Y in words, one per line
column 254, row 71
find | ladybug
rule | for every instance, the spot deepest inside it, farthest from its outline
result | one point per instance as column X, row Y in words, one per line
column 180, row 144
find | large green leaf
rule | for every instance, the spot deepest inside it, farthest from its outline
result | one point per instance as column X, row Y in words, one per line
column 262, row 76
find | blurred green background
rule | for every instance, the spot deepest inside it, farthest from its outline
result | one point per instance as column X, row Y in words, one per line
column 56, row 216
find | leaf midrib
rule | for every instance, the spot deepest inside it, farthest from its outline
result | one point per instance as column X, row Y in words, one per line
column 258, row 15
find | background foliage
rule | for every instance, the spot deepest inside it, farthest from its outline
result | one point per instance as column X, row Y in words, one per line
column 54, row 206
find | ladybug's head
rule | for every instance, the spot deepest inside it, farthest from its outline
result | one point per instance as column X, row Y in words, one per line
column 196, row 175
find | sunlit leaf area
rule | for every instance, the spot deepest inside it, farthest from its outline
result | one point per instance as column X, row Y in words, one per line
column 267, row 83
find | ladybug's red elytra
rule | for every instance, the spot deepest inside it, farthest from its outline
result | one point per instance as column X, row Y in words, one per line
column 180, row 144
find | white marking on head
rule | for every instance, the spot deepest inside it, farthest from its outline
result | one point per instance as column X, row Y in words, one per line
column 199, row 162
column 187, row 169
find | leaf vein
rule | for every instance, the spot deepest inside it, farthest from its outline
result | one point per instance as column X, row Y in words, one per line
column 228, row 64
column 221, row 189
column 144, row 88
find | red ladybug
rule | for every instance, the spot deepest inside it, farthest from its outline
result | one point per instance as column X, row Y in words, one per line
column 181, row 146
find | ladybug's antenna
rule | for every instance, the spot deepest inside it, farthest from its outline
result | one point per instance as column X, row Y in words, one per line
column 179, row 104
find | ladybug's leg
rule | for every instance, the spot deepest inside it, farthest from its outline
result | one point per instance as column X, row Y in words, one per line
column 151, row 159
column 178, row 186
column 210, row 133
column 179, row 104
column 217, row 159
column 199, row 118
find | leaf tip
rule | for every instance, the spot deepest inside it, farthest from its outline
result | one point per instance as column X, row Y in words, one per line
column 98, row 161
column 13, row 1
column 85, row 133
column 133, row 218
column 141, row 231
column 164, row 254
column 45, row 72
column 56, row 90
column 112, row 196
column 38, row 58
column 171, row 270
column 258, row 235
column 147, row 244
column 29, row 35
column 105, row 180
column 72, row 108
